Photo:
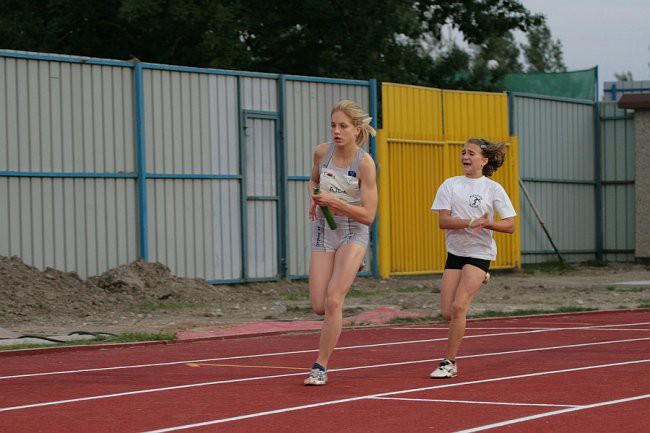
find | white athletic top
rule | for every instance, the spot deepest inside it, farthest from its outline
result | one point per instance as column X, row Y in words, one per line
column 342, row 182
column 469, row 198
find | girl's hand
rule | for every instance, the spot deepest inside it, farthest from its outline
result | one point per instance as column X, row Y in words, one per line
column 481, row 223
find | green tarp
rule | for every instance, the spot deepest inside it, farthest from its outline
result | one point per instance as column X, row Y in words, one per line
column 573, row 85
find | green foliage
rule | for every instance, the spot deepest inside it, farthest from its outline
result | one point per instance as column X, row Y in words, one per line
column 529, row 312
column 542, row 53
column 624, row 76
column 391, row 40
column 415, row 289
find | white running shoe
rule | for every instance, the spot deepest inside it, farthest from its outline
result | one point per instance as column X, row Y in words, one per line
column 445, row 370
column 487, row 278
column 316, row 377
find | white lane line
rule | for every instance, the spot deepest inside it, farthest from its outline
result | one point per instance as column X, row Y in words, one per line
column 259, row 355
column 502, row 403
column 248, row 379
column 384, row 394
column 296, row 352
column 555, row 412
column 540, row 329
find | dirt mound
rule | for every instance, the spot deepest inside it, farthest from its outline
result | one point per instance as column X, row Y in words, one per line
column 152, row 282
column 27, row 292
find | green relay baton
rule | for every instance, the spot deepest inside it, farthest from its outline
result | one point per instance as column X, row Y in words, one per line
column 326, row 212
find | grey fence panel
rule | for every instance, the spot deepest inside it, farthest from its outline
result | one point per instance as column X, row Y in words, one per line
column 307, row 124
column 618, row 147
column 62, row 117
column 67, row 157
column 192, row 153
column 259, row 94
column 556, row 163
column 262, row 198
column 72, row 224
column 194, row 227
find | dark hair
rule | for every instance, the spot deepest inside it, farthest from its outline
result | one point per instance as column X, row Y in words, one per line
column 494, row 152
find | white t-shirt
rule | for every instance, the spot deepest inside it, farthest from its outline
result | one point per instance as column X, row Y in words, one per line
column 469, row 198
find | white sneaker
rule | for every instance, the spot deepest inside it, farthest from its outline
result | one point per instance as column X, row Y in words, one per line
column 445, row 370
column 487, row 278
column 316, row 377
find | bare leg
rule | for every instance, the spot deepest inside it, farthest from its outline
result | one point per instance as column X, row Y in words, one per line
column 448, row 286
column 320, row 273
column 346, row 264
column 470, row 282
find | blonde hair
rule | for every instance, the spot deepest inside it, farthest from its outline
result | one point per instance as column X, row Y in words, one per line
column 494, row 152
column 358, row 117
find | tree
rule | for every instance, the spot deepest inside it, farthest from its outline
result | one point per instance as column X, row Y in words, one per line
column 384, row 39
column 493, row 60
column 542, row 53
column 624, row 76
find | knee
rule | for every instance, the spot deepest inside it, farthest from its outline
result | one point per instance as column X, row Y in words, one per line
column 458, row 309
column 446, row 313
column 333, row 304
column 318, row 310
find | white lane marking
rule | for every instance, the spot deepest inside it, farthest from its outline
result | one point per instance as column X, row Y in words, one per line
column 296, row 352
column 503, row 403
column 555, row 412
column 384, row 394
column 247, row 379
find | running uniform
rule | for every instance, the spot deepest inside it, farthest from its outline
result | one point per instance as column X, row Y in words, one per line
column 469, row 198
column 344, row 184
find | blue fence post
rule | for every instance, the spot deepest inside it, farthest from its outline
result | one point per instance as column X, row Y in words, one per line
column 140, row 161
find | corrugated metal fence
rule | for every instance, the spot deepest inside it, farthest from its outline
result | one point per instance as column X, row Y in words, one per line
column 576, row 159
column 103, row 162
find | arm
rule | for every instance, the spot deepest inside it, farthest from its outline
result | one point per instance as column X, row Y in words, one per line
column 314, row 180
column 446, row 221
column 506, row 225
column 365, row 213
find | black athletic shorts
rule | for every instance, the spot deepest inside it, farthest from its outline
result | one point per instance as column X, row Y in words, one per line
column 457, row 262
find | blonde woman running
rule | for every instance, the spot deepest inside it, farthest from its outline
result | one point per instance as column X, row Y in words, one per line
column 345, row 174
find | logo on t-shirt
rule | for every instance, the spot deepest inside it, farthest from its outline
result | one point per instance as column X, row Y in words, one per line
column 475, row 200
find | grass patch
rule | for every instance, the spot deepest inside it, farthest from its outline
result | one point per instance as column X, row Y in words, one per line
column 645, row 303
column 627, row 289
column 127, row 337
column 169, row 306
column 414, row 289
column 296, row 296
column 555, row 267
column 402, row 320
column 528, row 312
column 594, row 263
column 356, row 293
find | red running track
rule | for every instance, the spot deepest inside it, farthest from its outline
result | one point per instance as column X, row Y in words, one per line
column 564, row 373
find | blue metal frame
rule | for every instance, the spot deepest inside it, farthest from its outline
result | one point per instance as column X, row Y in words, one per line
column 274, row 116
column 141, row 176
column 141, row 162
column 373, row 152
